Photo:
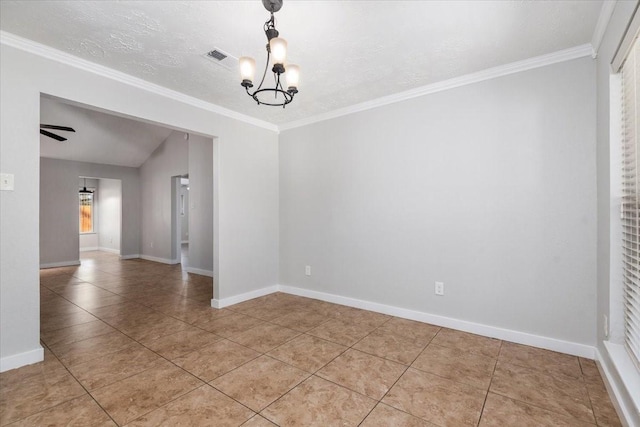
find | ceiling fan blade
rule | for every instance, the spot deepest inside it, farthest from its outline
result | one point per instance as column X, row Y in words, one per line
column 58, row 127
column 52, row 135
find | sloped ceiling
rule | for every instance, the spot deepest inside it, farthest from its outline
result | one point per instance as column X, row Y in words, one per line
column 349, row 51
column 98, row 137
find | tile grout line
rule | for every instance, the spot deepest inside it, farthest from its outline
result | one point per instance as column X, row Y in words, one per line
column 144, row 370
column 398, row 379
column 165, row 308
column 486, row 397
column 81, row 385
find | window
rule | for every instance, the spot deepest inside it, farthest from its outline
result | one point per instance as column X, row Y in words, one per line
column 630, row 200
column 86, row 212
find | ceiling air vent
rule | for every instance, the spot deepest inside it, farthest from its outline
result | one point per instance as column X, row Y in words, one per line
column 222, row 58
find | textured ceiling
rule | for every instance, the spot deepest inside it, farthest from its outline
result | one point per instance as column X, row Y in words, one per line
column 99, row 137
column 349, row 51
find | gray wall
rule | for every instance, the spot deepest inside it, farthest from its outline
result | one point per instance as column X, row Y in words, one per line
column 200, row 203
column 248, row 184
column 109, row 210
column 59, row 207
column 177, row 156
column 171, row 158
column 608, row 202
column 489, row 188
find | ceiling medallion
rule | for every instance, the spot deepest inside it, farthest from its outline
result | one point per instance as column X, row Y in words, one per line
column 276, row 51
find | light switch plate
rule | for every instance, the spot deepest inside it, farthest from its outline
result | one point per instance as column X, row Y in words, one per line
column 6, row 182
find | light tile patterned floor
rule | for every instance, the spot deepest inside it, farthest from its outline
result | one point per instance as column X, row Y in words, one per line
column 137, row 343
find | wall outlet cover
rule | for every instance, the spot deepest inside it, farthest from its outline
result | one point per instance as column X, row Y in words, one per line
column 6, row 181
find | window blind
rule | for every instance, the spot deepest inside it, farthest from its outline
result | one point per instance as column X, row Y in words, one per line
column 630, row 200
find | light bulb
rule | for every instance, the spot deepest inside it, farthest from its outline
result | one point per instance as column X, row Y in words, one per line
column 247, row 68
column 293, row 76
column 278, row 47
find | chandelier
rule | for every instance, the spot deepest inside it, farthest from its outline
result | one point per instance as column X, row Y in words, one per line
column 277, row 52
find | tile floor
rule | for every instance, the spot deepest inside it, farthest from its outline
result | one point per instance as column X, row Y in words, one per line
column 136, row 343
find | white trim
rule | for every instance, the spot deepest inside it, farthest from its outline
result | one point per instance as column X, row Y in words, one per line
column 22, row 359
column 130, row 256
column 225, row 302
column 626, row 43
column 60, row 264
column 488, row 74
column 601, row 26
column 629, row 377
column 561, row 346
column 111, row 251
column 199, row 271
column 553, row 344
column 48, row 52
column 89, row 248
column 44, row 51
column 162, row 260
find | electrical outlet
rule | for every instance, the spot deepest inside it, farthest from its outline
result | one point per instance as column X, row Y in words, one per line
column 439, row 288
column 606, row 326
column 6, row 181
column 307, row 270
column 151, row 244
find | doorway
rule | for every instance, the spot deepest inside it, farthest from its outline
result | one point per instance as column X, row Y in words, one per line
column 180, row 220
column 100, row 214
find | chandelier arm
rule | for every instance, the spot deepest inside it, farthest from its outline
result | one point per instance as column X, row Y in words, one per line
column 279, row 85
column 276, row 77
column 266, row 67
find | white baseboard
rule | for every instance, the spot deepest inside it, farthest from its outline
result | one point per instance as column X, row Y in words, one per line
column 553, row 344
column 60, row 264
column 162, row 260
column 89, row 249
column 561, row 346
column 199, row 271
column 226, row 302
column 111, row 251
column 130, row 256
column 22, row 359
column 621, row 385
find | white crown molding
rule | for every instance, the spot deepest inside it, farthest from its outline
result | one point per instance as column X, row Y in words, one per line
column 601, row 26
column 12, row 40
column 44, row 51
column 488, row 74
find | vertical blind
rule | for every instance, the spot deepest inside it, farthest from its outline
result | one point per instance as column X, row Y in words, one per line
column 630, row 200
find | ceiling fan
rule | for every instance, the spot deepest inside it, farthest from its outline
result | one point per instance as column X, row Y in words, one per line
column 53, row 135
